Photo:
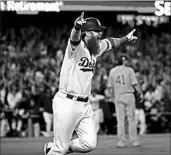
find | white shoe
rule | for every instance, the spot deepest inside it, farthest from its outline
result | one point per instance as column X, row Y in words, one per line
column 47, row 147
column 120, row 143
column 136, row 143
column 46, row 134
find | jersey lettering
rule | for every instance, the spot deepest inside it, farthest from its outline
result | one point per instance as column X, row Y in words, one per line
column 87, row 66
column 120, row 79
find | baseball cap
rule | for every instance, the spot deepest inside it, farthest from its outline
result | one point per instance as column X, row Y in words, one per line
column 122, row 58
column 92, row 24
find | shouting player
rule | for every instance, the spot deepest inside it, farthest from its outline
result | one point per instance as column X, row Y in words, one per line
column 71, row 107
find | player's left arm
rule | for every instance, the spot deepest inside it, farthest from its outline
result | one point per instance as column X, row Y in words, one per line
column 112, row 43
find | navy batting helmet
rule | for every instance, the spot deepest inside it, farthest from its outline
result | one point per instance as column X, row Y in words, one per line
column 92, row 24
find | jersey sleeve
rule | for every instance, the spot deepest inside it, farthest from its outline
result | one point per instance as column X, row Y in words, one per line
column 104, row 45
column 133, row 77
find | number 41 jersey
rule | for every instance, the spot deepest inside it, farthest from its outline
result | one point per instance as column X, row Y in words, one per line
column 122, row 79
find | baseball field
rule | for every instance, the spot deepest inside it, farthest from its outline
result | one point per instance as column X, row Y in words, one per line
column 153, row 144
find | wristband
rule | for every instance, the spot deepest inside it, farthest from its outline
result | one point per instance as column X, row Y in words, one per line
column 77, row 27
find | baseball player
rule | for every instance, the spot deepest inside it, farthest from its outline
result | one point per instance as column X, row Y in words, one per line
column 71, row 107
column 122, row 82
column 140, row 110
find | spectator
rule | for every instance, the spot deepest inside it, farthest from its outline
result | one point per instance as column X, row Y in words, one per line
column 48, row 114
column 22, row 111
column 13, row 97
column 140, row 109
column 108, row 126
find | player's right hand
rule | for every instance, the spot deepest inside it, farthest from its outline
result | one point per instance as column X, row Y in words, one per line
column 131, row 37
column 79, row 21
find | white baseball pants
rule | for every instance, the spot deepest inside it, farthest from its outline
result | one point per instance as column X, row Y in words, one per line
column 140, row 118
column 70, row 115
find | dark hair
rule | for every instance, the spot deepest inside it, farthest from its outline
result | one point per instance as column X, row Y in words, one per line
column 83, row 36
column 122, row 58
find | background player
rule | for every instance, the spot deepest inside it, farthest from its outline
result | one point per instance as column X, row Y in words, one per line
column 71, row 107
column 122, row 82
column 140, row 109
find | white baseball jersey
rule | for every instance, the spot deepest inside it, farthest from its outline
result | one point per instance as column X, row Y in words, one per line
column 78, row 68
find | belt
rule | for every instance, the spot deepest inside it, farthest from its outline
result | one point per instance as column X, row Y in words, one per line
column 81, row 99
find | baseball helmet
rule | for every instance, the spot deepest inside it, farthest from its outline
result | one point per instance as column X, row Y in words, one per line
column 92, row 24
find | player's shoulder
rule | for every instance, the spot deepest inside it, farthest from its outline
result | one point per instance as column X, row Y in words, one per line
column 114, row 69
column 130, row 69
column 105, row 40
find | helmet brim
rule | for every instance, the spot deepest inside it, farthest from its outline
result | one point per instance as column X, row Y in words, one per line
column 99, row 29
column 102, row 28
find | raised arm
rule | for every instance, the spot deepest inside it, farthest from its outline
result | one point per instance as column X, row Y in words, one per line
column 128, row 38
column 75, row 36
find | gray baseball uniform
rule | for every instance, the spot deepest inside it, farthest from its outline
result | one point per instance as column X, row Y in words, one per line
column 121, row 80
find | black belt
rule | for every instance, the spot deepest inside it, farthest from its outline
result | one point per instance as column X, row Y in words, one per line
column 81, row 99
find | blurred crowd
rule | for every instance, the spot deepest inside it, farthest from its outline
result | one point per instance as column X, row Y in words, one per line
column 30, row 60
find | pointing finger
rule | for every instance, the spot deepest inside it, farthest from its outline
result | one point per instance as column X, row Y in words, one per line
column 82, row 15
column 133, row 30
column 135, row 38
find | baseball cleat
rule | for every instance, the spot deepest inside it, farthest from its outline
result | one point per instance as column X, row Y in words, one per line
column 47, row 147
column 136, row 143
column 120, row 143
